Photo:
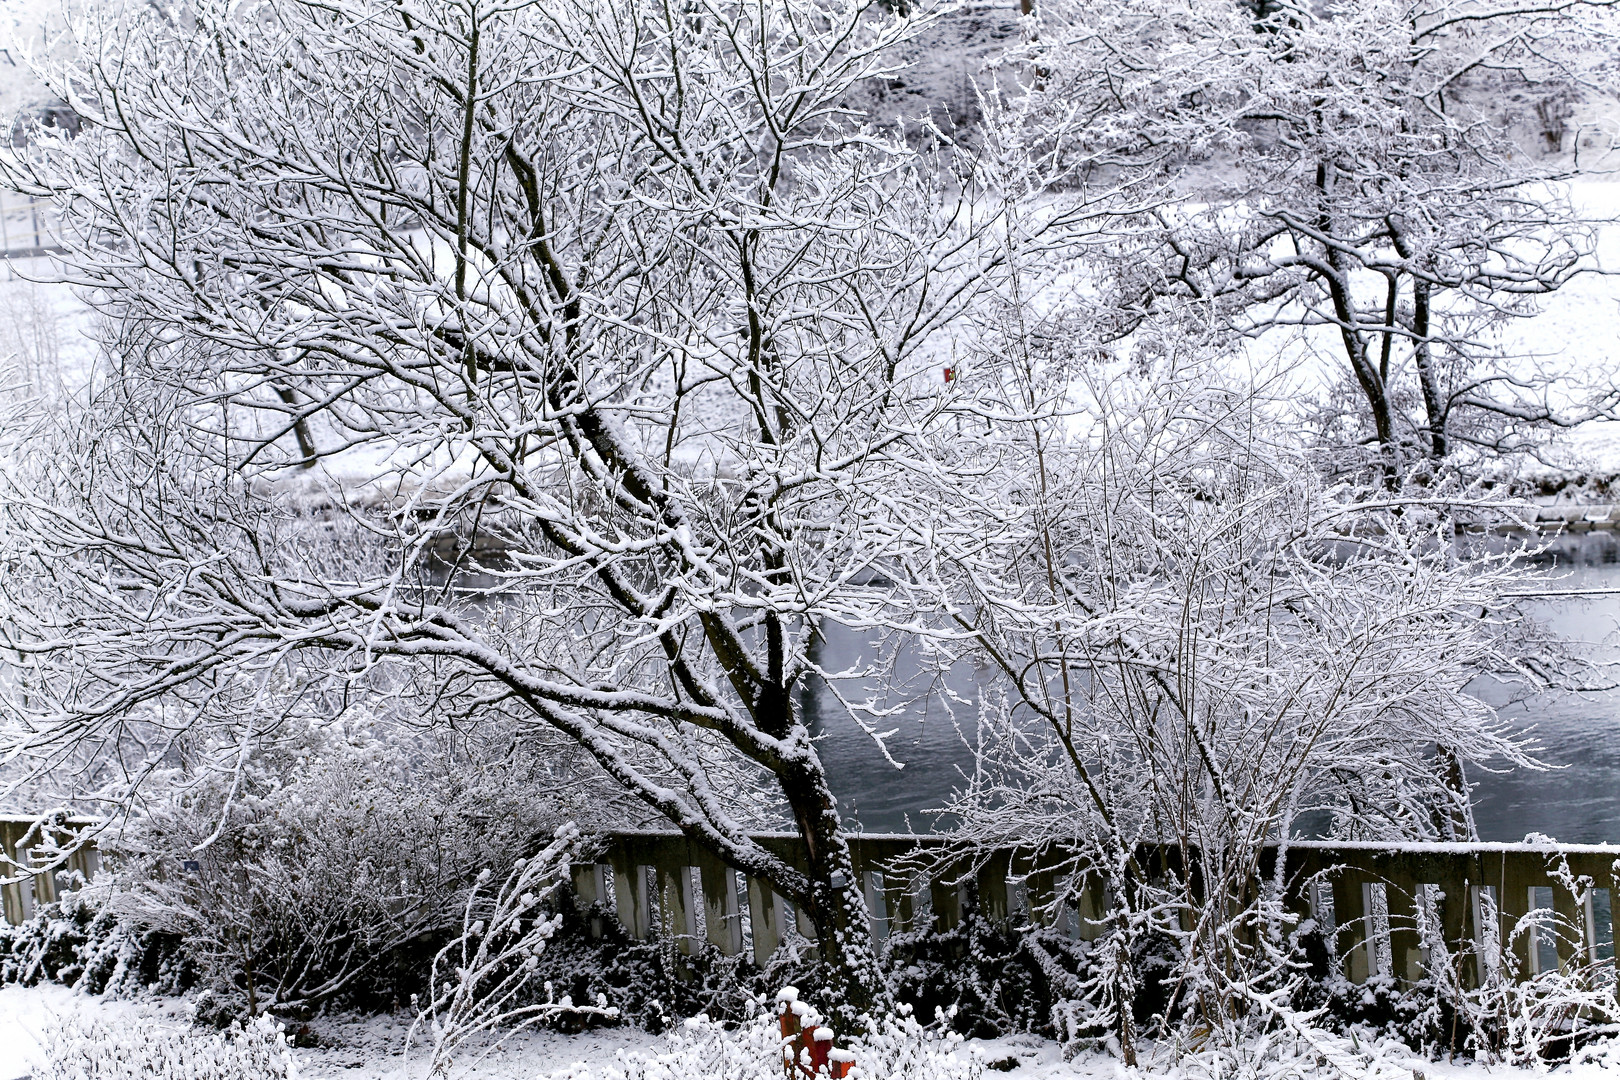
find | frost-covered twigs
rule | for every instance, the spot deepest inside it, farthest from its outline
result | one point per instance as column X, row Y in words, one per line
column 1205, row 642
column 482, row 980
column 98, row 1050
column 613, row 304
column 1361, row 197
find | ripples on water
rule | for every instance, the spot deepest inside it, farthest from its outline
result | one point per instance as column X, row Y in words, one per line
column 1578, row 802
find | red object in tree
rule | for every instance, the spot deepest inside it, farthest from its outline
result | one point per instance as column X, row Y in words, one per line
column 950, row 374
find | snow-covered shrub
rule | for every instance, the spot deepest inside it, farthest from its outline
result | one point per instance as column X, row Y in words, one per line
column 80, row 941
column 651, row 983
column 330, row 863
column 894, row 1046
column 478, row 982
column 1208, row 642
column 95, row 1049
column 1550, row 1015
column 990, row 978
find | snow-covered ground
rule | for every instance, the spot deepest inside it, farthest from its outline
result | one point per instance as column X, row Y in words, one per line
column 353, row 1048
column 367, row 1048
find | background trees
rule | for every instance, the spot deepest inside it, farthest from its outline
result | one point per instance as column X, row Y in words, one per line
column 1351, row 184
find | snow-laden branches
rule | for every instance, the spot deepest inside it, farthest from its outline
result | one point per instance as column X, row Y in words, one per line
column 481, row 981
column 1202, row 649
column 611, row 312
column 1352, row 187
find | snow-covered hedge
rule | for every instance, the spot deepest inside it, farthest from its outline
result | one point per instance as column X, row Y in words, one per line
column 328, row 864
column 80, row 941
column 93, row 1049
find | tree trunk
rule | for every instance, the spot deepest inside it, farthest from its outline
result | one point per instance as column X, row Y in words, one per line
column 834, row 902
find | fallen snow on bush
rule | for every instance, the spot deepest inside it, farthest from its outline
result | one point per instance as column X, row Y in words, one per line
column 897, row 1047
column 90, row 1048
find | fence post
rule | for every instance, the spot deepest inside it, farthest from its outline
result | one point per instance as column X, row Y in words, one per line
column 763, row 914
column 590, row 887
column 898, row 903
column 1516, row 877
column 1092, row 908
column 1572, row 929
column 17, row 894
column 1042, row 898
column 675, row 899
column 1401, row 892
column 630, row 894
column 1460, row 936
column 1350, row 936
column 993, row 887
column 722, row 921
column 946, row 895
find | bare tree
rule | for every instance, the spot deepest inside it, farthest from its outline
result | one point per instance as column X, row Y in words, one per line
column 612, row 333
column 1200, row 646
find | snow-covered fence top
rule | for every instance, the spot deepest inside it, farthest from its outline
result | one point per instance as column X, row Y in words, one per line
column 1516, row 908
column 25, row 227
column 33, row 866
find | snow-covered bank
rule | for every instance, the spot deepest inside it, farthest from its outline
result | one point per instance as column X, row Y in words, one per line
column 351, row 1047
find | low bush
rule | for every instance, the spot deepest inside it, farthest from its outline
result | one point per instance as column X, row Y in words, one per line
column 329, row 866
column 93, row 1049
column 80, row 942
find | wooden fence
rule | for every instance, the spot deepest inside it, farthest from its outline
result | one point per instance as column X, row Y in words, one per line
column 26, row 227
column 1515, row 897
column 23, row 846
column 1372, row 896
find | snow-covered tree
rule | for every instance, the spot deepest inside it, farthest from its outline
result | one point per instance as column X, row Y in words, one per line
column 1202, row 647
column 567, row 361
column 1354, row 183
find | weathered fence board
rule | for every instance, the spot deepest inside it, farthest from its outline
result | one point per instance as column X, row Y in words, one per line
column 1381, row 896
column 661, row 884
column 28, row 875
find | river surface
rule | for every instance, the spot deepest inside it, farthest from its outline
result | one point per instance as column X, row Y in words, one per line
column 1576, row 800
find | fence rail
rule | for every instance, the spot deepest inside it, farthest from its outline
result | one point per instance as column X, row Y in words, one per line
column 1514, row 907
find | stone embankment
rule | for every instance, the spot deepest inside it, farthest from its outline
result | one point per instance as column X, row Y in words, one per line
column 1577, row 518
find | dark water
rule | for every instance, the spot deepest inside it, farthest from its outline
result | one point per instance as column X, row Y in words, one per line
column 1577, row 801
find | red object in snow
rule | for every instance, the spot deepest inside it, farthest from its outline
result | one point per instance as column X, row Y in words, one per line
column 950, row 374
column 806, row 1043
column 821, row 1041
